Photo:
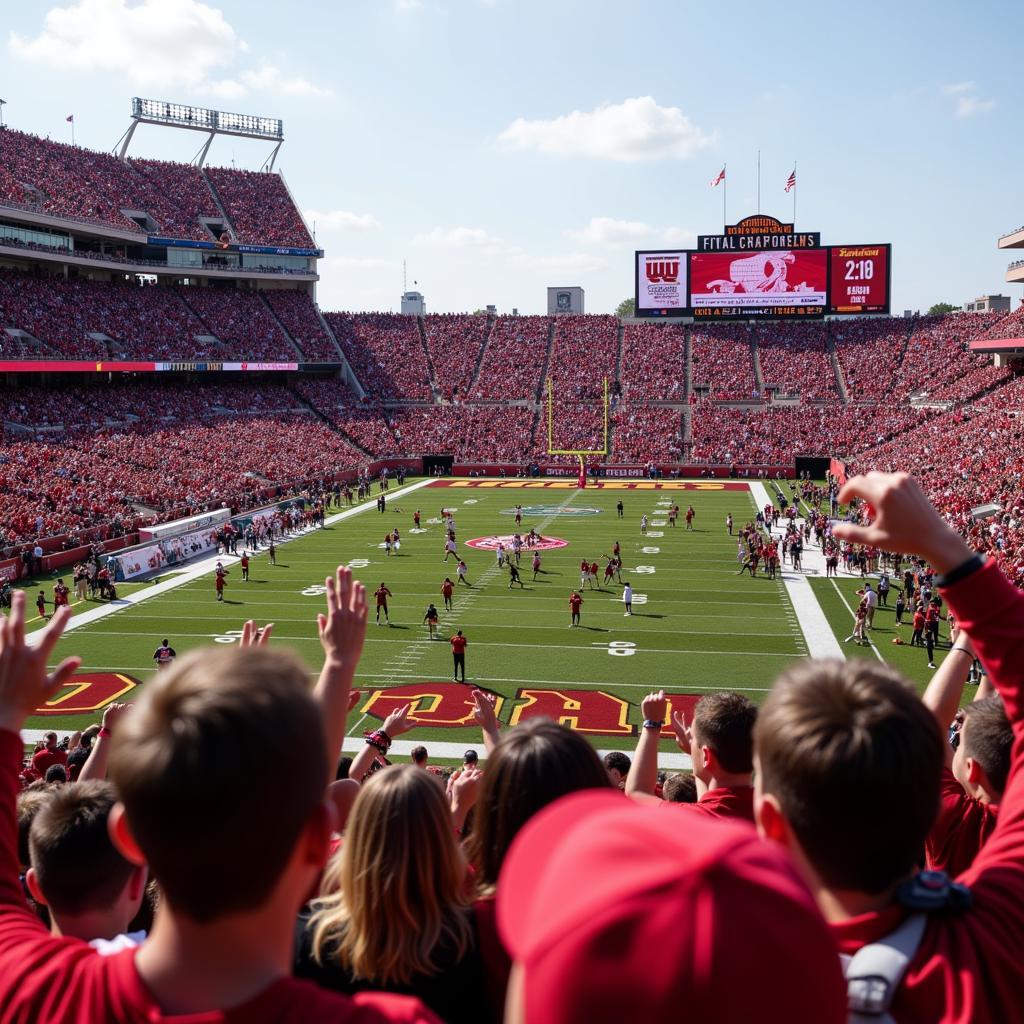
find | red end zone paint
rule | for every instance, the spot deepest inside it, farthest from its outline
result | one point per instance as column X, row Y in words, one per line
column 603, row 485
column 88, row 691
column 491, row 543
column 450, row 705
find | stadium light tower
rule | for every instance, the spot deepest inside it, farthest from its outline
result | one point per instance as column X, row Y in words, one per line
column 201, row 119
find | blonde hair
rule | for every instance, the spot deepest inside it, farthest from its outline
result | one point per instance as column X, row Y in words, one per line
column 397, row 888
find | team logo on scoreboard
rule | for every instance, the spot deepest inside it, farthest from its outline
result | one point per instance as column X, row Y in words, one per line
column 491, row 543
column 552, row 510
column 661, row 271
column 88, row 691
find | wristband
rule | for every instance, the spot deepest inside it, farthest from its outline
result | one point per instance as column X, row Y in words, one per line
column 104, row 733
column 650, row 723
column 962, row 571
column 963, row 649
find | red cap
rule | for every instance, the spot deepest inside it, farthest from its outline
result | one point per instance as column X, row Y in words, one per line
column 617, row 912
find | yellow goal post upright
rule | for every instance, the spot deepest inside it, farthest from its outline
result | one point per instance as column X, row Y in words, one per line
column 580, row 453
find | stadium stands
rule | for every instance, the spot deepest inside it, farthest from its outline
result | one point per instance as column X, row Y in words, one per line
column 513, row 362
column 795, row 360
column 259, row 207
column 721, row 362
column 386, row 352
column 653, row 363
column 454, row 345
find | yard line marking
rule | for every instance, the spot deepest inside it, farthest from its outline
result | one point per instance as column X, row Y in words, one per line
column 821, row 641
column 204, row 566
column 871, row 643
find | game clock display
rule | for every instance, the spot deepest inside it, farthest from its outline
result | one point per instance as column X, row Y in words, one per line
column 859, row 278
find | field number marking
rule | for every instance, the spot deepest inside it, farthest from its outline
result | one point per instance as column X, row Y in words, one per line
column 651, row 551
column 645, row 569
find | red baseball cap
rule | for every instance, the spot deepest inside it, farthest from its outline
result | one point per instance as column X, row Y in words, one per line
column 617, row 912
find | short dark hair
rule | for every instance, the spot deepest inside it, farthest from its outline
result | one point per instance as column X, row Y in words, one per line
column 619, row 761
column 680, row 788
column 342, row 767
column 855, row 761
column 239, row 721
column 56, row 773
column 989, row 740
column 471, row 755
column 724, row 722
column 77, row 866
column 418, row 754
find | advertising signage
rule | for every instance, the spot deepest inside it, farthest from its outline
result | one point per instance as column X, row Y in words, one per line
column 762, row 267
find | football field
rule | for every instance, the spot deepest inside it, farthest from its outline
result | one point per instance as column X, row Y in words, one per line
column 696, row 625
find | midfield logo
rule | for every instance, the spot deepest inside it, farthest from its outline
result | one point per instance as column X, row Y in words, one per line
column 552, row 510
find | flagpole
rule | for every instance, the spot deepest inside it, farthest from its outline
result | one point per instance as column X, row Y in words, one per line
column 725, row 192
column 759, row 181
column 794, row 193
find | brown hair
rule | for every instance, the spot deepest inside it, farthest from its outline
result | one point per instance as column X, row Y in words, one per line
column 854, row 759
column 725, row 723
column 76, row 864
column 216, row 743
column 680, row 788
column 30, row 803
column 989, row 739
column 396, row 891
column 534, row 764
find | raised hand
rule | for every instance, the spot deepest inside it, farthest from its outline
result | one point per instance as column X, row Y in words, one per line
column 254, row 636
column 398, row 721
column 25, row 683
column 343, row 629
column 902, row 519
column 113, row 713
column 684, row 733
column 654, row 706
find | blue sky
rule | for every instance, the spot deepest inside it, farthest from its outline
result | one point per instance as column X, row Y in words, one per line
column 500, row 146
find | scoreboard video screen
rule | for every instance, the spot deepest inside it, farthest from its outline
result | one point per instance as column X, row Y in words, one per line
column 779, row 283
column 859, row 279
column 761, row 267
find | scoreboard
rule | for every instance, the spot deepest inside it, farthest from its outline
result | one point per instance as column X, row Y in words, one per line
column 763, row 268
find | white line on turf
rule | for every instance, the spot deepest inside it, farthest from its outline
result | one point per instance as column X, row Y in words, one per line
column 204, row 566
column 821, row 641
column 871, row 643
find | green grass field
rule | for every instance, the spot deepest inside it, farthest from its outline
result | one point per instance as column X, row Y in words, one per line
column 696, row 626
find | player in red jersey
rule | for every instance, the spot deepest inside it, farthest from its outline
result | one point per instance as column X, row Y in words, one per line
column 416, row 519
column 536, row 563
column 382, row 594
column 575, row 604
column 220, row 581
column 41, row 605
column 60, row 595
column 690, row 513
column 447, row 589
column 272, row 552
column 244, row 561
column 458, row 643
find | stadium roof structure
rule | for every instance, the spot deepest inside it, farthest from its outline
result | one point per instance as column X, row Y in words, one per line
column 1003, row 346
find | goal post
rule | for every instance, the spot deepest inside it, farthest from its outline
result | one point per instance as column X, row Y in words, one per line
column 580, row 453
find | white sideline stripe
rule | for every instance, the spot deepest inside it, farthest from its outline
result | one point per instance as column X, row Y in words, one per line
column 436, row 748
column 821, row 641
column 871, row 643
column 202, row 567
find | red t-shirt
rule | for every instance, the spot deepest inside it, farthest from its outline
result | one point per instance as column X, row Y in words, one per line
column 968, row 966
column 43, row 978
column 382, row 594
column 961, row 829
column 575, row 601
column 46, row 759
column 724, row 802
column 458, row 644
column 447, row 588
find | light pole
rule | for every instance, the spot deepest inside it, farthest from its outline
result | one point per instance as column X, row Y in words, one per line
column 3, row 103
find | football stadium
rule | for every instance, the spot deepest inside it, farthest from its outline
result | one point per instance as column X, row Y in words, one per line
column 700, row 613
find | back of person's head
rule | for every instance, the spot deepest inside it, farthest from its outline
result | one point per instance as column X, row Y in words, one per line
column 724, row 722
column 987, row 740
column 396, row 889
column 30, row 803
column 853, row 760
column 533, row 764
column 213, row 742
column 680, row 788
column 611, row 911
column 617, row 765
column 342, row 767
column 56, row 774
column 419, row 755
column 77, row 867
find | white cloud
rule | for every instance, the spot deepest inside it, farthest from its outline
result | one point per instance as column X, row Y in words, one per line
column 179, row 44
column 457, row 237
column 635, row 129
column 342, row 220
column 612, row 233
column 968, row 102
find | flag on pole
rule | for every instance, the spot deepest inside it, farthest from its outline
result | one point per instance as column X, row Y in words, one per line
column 70, row 118
column 719, row 178
column 791, row 181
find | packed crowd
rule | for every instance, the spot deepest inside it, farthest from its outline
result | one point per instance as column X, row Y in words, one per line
column 70, row 181
column 514, row 359
column 386, row 352
column 653, row 358
column 870, row 350
column 721, row 362
column 545, row 886
column 454, row 344
column 795, row 359
column 259, row 207
column 147, row 322
column 585, row 350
